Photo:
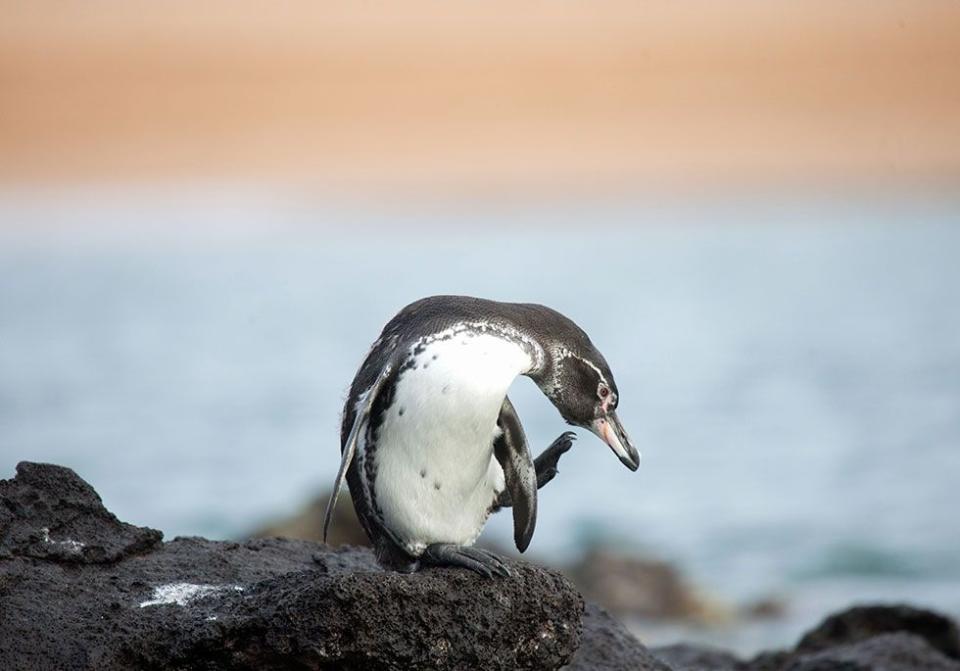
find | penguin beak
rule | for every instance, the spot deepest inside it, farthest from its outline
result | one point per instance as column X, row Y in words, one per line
column 609, row 429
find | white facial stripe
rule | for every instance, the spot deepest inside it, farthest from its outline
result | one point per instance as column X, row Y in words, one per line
column 599, row 374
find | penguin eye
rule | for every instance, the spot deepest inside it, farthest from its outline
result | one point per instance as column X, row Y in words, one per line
column 603, row 391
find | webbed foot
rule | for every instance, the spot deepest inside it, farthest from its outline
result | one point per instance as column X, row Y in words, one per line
column 546, row 464
column 482, row 561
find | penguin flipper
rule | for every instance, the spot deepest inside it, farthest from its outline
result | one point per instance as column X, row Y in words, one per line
column 510, row 448
column 364, row 406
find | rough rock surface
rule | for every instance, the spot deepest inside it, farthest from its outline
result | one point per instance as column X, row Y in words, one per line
column 81, row 590
column 47, row 509
column 863, row 622
column 891, row 651
column 888, row 652
column 871, row 638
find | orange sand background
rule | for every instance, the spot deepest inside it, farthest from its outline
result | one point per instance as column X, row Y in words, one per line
column 448, row 96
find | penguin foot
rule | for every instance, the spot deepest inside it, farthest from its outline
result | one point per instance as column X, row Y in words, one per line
column 546, row 464
column 482, row 561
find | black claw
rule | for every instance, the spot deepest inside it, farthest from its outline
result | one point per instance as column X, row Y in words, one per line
column 563, row 443
column 482, row 570
column 500, row 567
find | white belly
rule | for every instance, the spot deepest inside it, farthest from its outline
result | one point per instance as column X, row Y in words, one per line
column 436, row 475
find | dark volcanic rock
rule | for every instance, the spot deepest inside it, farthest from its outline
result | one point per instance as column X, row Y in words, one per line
column 892, row 651
column 888, row 652
column 48, row 512
column 871, row 638
column 81, row 590
column 607, row 646
column 863, row 622
column 132, row 602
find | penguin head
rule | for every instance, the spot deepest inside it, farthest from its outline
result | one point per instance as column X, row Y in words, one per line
column 580, row 385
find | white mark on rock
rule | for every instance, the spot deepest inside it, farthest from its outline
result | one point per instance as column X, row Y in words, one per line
column 182, row 593
column 71, row 546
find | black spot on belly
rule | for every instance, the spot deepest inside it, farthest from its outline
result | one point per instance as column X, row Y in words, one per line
column 435, row 357
column 423, row 472
column 436, row 485
column 446, row 389
column 401, row 411
column 426, row 365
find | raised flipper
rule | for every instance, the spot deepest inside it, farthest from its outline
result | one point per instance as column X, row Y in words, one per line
column 511, row 451
column 364, row 405
column 545, row 465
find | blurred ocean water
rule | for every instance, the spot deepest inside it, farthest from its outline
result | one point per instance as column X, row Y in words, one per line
column 789, row 368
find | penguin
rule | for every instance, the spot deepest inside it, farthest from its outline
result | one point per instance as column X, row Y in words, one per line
column 431, row 445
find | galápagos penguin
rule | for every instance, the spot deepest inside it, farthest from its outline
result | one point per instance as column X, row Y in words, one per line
column 430, row 443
